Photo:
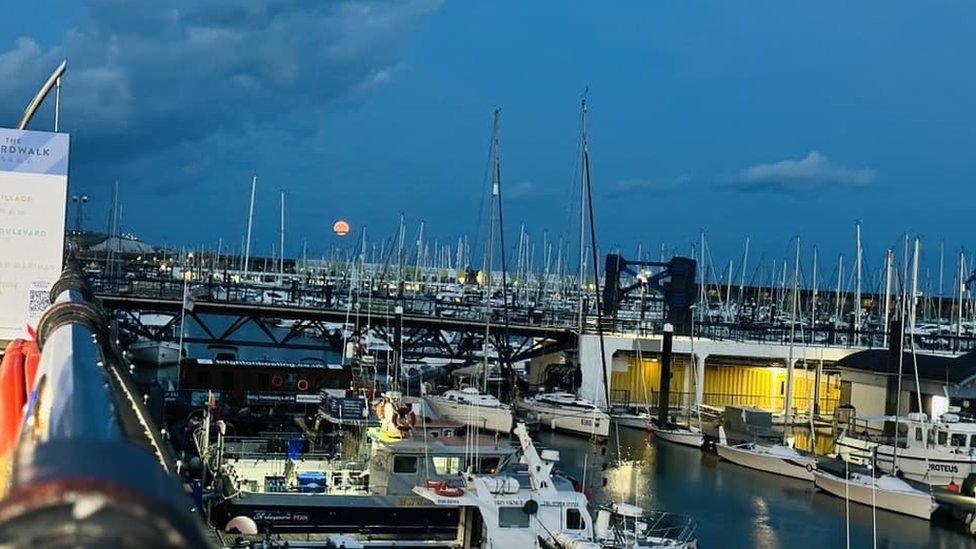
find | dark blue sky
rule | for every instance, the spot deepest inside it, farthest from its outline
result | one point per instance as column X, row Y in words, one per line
column 764, row 118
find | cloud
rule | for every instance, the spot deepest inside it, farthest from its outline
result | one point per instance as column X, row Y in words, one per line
column 146, row 76
column 635, row 186
column 527, row 191
column 810, row 172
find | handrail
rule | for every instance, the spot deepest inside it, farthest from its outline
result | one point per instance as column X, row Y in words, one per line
column 87, row 440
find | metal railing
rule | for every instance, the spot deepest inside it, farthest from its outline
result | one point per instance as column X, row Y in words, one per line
column 86, row 436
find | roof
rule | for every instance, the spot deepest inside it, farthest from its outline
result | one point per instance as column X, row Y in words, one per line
column 955, row 370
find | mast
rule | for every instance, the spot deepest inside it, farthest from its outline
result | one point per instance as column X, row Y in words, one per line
column 789, row 362
column 503, row 357
column 250, row 221
column 489, row 261
column 588, row 191
column 281, row 236
column 857, row 295
column 840, row 279
column 742, row 276
column 889, row 256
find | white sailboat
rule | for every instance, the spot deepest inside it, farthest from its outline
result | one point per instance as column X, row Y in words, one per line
column 561, row 411
column 778, row 459
column 472, row 407
column 885, row 492
column 684, row 435
column 533, row 507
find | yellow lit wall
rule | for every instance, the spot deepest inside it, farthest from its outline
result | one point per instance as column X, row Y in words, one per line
column 642, row 380
column 764, row 387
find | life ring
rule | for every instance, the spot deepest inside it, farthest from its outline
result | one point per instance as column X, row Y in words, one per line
column 435, row 485
column 276, row 380
column 302, row 384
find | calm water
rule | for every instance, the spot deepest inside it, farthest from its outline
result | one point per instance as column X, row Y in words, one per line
column 735, row 506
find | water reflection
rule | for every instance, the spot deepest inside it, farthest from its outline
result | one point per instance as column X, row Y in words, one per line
column 735, row 507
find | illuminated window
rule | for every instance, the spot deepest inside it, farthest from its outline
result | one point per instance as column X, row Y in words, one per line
column 447, row 465
column 574, row 519
column 404, row 464
column 512, row 517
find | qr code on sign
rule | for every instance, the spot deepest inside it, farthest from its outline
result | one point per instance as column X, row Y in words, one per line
column 38, row 300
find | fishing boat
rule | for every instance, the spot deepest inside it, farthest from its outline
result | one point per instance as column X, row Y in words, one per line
column 531, row 506
column 884, row 492
column 778, row 459
column 566, row 412
column 473, row 408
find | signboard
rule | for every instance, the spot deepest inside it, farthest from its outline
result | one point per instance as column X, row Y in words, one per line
column 33, row 202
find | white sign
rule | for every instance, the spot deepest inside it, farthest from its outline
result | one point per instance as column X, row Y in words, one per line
column 33, row 202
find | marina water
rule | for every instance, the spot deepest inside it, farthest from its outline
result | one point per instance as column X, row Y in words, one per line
column 735, row 506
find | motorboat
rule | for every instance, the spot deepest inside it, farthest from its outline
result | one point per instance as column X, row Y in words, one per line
column 778, row 459
column 566, row 412
column 531, row 506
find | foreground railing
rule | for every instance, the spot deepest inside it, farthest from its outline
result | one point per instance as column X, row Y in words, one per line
column 89, row 468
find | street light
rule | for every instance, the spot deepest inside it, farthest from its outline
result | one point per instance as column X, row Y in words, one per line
column 80, row 200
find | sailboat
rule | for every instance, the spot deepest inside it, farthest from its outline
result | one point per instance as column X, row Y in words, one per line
column 565, row 411
column 779, row 459
column 471, row 405
column 531, row 506
column 685, row 435
column 887, row 491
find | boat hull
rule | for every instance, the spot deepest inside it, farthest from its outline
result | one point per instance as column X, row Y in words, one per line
column 684, row 437
column 799, row 468
column 933, row 467
column 483, row 417
column 919, row 505
column 586, row 423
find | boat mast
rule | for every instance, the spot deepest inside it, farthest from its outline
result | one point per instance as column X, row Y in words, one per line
column 889, row 256
column 789, row 362
column 588, row 192
column 250, row 221
column 857, row 295
column 281, row 236
column 490, row 254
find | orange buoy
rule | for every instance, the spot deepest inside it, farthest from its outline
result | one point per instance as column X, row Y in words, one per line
column 340, row 228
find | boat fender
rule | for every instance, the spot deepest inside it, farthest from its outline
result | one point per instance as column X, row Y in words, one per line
column 276, row 381
column 953, row 487
column 531, row 507
column 448, row 492
column 809, row 467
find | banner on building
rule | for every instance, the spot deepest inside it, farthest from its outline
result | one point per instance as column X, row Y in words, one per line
column 33, row 202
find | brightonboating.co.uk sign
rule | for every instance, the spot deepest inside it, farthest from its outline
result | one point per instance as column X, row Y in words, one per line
column 33, row 202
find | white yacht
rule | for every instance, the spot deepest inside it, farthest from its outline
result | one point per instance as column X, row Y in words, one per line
column 531, row 506
column 885, row 492
column 569, row 413
column 472, row 407
column 935, row 453
column 778, row 459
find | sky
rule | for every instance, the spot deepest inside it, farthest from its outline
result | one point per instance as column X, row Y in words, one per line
column 772, row 119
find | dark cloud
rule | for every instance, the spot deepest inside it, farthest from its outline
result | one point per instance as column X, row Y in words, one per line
column 151, row 77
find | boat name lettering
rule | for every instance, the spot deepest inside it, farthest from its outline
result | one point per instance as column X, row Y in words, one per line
column 943, row 467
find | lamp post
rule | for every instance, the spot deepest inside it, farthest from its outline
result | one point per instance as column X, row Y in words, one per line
column 80, row 201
